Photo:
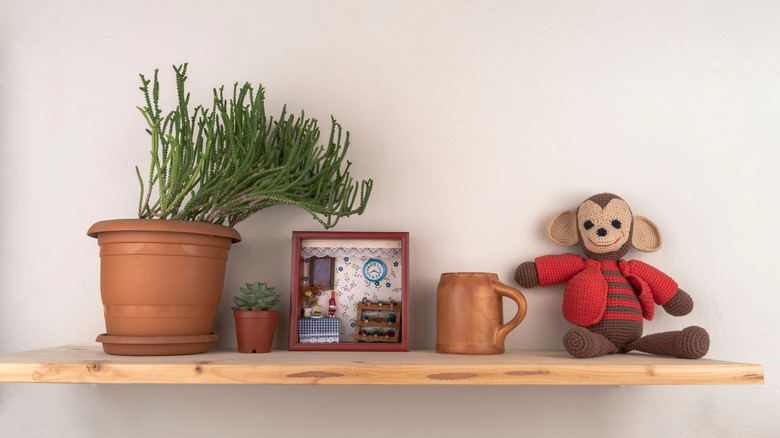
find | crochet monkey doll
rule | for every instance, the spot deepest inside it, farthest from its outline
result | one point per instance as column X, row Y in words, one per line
column 606, row 296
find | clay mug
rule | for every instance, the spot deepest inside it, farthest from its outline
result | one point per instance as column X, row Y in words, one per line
column 470, row 313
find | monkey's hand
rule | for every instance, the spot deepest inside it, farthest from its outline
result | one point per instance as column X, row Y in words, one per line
column 526, row 276
column 680, row 304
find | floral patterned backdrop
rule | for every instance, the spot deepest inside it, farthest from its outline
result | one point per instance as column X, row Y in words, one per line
column 351, row 287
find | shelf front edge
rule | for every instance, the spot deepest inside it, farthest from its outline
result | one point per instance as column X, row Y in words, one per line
column 62, row 365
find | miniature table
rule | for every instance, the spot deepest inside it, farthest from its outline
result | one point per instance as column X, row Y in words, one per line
column 318, row 330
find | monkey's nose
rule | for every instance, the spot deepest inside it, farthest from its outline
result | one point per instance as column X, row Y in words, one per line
column 602, row 232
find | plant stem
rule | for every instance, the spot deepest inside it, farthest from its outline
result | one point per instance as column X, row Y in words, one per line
column 224, row 164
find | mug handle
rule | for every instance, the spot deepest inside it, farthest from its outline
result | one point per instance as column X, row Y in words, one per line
column 503, row 290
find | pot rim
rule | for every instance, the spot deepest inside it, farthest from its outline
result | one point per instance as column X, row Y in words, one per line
column 166, row 225
column 255, row 313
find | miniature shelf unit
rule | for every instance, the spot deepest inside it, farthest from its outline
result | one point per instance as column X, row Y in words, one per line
column 377, row 326
column 92, row 365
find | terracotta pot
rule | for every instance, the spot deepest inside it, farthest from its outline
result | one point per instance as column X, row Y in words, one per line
column 161, row 277
column 255, row 330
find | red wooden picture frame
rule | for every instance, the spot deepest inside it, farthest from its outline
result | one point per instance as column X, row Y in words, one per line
column 297, row 283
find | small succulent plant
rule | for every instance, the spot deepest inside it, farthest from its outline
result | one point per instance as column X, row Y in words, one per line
column 257, row 296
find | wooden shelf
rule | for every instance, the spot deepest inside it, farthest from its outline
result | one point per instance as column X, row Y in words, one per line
column 91, row 365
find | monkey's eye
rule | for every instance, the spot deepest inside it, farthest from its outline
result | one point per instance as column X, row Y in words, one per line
column 588, row 225
column 616, row 223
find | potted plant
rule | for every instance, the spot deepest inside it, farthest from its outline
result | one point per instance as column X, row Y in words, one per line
column 255, row 313
column 162, row 274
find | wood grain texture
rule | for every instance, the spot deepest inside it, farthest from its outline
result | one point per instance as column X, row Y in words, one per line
column 91, row 365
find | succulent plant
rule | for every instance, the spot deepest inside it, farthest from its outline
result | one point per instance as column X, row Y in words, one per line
column 257, row 296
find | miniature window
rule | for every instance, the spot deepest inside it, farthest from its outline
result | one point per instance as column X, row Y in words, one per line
column 322, row 272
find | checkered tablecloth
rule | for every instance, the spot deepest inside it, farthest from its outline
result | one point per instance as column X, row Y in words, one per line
column 318, row 330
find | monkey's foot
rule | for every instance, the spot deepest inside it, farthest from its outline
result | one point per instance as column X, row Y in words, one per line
column 690, row 343
column 581, row 343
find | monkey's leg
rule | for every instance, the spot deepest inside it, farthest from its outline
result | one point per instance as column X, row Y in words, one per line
column 581, row 343
column 690, row 343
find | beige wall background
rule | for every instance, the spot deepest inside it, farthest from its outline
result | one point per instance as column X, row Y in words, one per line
column 477, row 121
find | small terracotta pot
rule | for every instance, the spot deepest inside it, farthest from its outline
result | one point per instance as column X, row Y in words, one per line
column 255, row 330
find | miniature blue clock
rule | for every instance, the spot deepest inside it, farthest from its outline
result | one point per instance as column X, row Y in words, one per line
column 374, row 270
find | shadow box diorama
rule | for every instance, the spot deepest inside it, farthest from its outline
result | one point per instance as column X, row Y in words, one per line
column 349, row 291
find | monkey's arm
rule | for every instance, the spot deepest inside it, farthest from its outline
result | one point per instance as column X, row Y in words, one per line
column 665, row 291
column 548, row 270
column 525, row 275
column 680, row 304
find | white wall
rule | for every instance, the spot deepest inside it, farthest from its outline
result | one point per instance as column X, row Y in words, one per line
column 477, row 121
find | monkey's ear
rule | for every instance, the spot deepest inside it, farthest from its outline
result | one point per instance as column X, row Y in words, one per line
column 562, row 228
column 647, row 236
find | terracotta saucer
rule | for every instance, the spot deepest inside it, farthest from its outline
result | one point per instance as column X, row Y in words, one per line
column 156, row 345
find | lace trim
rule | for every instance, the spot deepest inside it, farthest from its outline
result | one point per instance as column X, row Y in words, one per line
column 336, row 251
column 318, row 339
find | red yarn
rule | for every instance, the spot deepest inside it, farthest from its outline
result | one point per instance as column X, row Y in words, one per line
column 585, row 296
column 597, row 290
column 661, row 286
column 558, row 268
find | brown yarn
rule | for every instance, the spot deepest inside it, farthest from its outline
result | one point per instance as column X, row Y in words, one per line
column 680, row 304
column 602, row 199
column 619, row 332
column 583, row 343
column 526, row 276
column 690, row 343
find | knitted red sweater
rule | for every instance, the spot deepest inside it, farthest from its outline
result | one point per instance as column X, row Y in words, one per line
column 599, row 290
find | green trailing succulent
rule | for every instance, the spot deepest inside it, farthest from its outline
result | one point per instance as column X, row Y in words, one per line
column 221, row 165
column 257, row 296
